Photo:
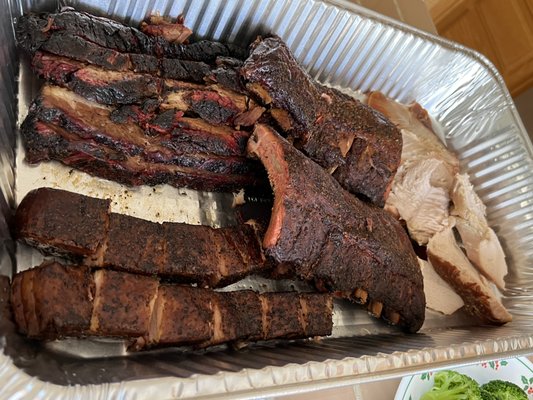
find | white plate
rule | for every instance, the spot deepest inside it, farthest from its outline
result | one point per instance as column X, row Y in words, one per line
column 516, row 370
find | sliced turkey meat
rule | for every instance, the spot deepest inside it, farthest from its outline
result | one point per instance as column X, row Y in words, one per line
column 440, row 296
column 418, row 198
column 479, row 240
column 420, row 193
column 454, row 267
column 423, row 142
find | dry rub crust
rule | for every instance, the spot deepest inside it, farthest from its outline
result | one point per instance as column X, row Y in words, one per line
column 53, row 301
column 355, row 143
column 331, row 238
column 219, row 256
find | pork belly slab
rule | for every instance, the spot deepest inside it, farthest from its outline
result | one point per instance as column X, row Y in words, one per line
column 53, row 301
column 355, row 143
column 328, row 236
column 188, row 253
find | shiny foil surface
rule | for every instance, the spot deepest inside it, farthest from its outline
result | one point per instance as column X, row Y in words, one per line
column 341, row 45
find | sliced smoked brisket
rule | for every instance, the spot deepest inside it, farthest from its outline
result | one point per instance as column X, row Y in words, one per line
column 82, row 228
column 135, row 146
column 108, row 43
column 328, row 236
column 114, row 46
column 216, row 103
column 53, row 301
column 355, row 143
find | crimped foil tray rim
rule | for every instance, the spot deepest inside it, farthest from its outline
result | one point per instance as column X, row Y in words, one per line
column 254, row 383
column 312, row 375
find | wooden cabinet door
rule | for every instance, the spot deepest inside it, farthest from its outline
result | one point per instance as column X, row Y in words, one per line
column 502, row 30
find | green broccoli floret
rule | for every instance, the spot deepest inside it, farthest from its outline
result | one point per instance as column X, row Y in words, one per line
column 451, row 385
column 487, row 395
column 504, row 390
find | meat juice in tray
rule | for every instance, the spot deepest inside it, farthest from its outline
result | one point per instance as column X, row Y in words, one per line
column 139, row 202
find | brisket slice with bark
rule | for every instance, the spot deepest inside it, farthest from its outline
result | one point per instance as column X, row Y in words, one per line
column 33, row 29
column 112, row 45
column 330, row 237
column 186, row 152
column 46, row 142
column 182, row 252
column 53, row 301
column 355, row 143
column 214, row 103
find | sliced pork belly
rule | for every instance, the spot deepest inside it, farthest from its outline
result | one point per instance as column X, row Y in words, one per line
column 123, row 304
column 453, row 266
column 53, row 300
column 246, row 322
column 479, row 240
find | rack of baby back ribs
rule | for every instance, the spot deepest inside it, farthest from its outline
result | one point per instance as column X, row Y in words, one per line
column 147, row 107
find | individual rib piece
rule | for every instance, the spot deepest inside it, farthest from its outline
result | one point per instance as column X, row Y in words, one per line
column 186, row 253
column 330, row 237
column 180, row 151
column 54, row 301
column 355, row 143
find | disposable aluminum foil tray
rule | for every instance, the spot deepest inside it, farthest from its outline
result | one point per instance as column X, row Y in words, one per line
column 341, row 45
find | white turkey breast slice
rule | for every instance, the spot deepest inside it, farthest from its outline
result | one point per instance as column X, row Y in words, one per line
column 418, row 198
column 423, row 143
column 420, row 192
column 453, row 266
column 479, row 240
column 440, row 296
